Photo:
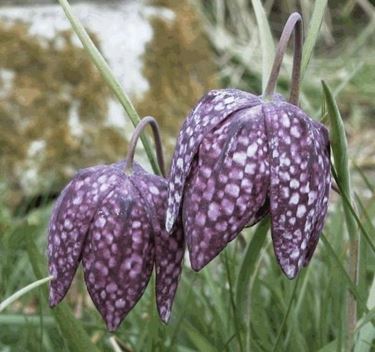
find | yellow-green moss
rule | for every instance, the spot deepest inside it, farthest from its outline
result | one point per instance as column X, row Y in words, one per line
column 49, row 79
column 179, row 65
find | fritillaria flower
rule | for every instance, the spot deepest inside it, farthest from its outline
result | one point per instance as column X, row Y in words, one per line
column 112, row 218
column 241, row 156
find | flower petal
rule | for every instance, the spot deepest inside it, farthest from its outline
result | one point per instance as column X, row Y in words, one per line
column 213, row 108
column 322, row 147
column 119, row 254
column 298, row 172
column 70, row 221
column 227, row 186
column 169, row 248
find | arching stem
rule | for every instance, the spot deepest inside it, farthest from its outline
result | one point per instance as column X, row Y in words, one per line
column 148, row 120
column 294, row 24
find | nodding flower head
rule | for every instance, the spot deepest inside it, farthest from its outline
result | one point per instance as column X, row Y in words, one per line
column 111, row 217
column 239, row 157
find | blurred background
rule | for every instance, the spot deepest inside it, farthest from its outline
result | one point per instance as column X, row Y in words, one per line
column 57, row 115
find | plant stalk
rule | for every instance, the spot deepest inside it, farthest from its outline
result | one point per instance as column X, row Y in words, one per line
column 23, row 291
column 148, row 120
column 294, row 24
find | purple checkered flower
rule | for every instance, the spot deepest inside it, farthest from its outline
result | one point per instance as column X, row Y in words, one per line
column 112, row 218
column 239, row 157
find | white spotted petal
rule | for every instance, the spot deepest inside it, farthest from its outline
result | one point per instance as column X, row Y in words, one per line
column 70, row 222
column 227, row 188
column 169, row 248
column 300, row 183
column 119, row 253
column 212, row 110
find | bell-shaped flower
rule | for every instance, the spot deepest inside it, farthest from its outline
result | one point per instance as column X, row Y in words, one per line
column 239, row 157
column 112, row 218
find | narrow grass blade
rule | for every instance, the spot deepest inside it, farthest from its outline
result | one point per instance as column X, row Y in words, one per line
column 266, row 41
column 363, row 251
column 114, row 344
column 18, row 319
column 23, row 291
column 248, row 265
column 365, row 179
column 331, row 347
column 277, row 341
column 365, row 213
column 199, row 341
column 366, row 336
column 217, row 309
column 369, row 317
column 71, row 329
column 352, row 286
column 339, row 146
column 351, row 209
column 110, row 79
column 236, row 322
column 313, row 33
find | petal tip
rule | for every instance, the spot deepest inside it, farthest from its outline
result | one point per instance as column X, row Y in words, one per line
column 169, row 222
column 165, row 314
column 111, row 327
column 112, row 321
column 53, row 299
column 290, row 271
column 52, row 303
column 197, row 266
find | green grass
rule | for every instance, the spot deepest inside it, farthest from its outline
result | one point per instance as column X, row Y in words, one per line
column 240, row 301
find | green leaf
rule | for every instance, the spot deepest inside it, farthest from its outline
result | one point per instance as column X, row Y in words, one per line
column 313, row 33
column 74, row 334
column 109, row 78
column 365, row 179
column 352, row 286
column 352, row 211
column 339, row 145
column 277, row 341
column 247, row 267
column 266, row 41
column 114, row 344
column 366, row 335
column 330, row 347
column 369, row 317
column 200, row 342
column 18, row 320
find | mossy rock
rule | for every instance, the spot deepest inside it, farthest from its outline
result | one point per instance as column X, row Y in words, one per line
column 52, row 109
column 54, row 104
column 179, row 65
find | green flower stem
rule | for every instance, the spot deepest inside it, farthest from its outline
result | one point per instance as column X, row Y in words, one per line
column 110, row 79
column 114, row 344
column 294, row 24
column 23, row 291
column 148, row 120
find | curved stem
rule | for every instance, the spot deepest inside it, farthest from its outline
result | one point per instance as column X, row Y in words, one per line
column 23, row 291
column 148, row 120
column 294, row 24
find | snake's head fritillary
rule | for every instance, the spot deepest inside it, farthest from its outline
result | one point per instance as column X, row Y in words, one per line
column 113, row 223
column 299, row 154
column 238, row 158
